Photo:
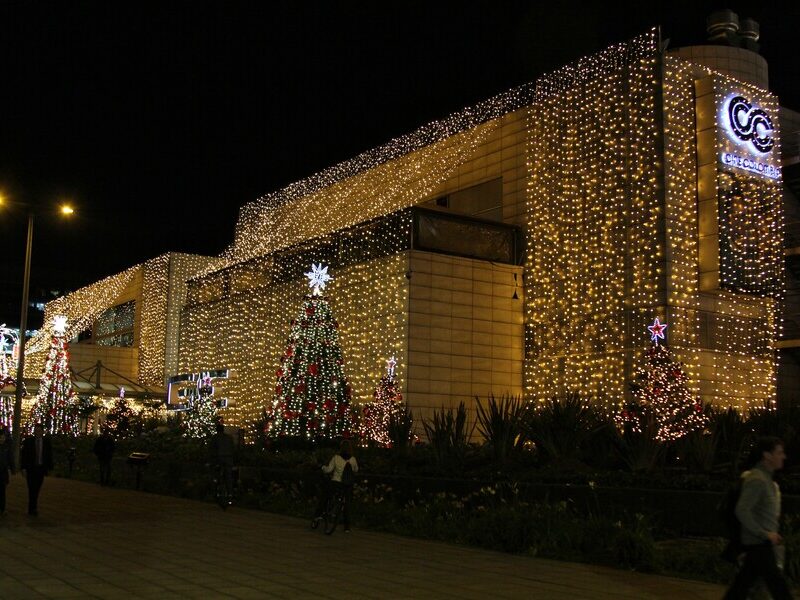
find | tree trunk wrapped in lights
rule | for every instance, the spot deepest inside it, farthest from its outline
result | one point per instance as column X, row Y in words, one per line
column 56, row 402
column 312, row 396
column 661, row 395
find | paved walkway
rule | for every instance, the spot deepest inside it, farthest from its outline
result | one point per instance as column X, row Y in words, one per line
column 107, row 543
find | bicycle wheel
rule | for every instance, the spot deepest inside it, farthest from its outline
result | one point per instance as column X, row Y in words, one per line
column 332, row 519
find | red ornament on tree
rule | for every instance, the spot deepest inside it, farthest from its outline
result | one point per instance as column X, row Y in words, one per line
column 313, row 369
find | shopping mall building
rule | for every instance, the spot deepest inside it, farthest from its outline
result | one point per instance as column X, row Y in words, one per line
column 521, row 246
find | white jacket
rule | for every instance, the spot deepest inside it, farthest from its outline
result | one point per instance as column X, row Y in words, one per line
column 336, row 466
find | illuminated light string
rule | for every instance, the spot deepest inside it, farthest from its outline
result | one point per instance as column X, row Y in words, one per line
column 394, row 176
column 680, row 195
column 594, row 253
column 742, row 327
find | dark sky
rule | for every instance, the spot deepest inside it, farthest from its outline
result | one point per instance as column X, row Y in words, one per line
column 158, row 120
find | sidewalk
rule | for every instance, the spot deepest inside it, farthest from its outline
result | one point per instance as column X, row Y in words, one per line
column 93, row 542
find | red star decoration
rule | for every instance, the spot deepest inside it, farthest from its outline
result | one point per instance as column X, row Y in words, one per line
column 657, row 330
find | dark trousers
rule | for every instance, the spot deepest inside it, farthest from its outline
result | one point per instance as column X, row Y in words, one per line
column 35, row 477
column 225, row 472
column 759, row 562
column 3, row 487
column 105, row 471
column 327, row 490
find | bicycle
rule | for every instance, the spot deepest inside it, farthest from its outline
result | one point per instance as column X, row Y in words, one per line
column 221, row 495
column 333, row 511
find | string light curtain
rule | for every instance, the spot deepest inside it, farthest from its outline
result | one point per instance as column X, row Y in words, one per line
column 594, row 266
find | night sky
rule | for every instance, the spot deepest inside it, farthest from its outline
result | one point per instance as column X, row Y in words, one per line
column 158, row 121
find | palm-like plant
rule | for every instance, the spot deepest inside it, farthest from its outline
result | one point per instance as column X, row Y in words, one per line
column 502, row 424
column 561, row 427
column 449, row 433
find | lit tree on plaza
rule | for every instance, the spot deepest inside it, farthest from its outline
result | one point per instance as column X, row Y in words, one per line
column 312, row 396
column 200, row 420
column 55, row 406
column 118, row 419
column 8, row 370
column 376, row 416
column 660, row 391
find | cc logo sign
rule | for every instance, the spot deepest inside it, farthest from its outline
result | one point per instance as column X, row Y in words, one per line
column 750, row 124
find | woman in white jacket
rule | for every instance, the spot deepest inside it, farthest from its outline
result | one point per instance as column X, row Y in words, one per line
column 341, row 469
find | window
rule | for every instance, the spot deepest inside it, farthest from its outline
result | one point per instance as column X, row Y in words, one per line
column 115, row 326
column 483, row 201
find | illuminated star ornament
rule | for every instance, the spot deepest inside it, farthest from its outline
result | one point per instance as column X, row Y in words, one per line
column 657, row 330
column 317, row 278
column 390, row 365
column 59, row 324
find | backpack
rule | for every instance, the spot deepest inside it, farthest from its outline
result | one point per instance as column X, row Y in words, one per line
column 348, row 477
column 733, row 527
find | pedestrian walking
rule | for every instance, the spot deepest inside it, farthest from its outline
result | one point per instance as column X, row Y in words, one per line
column 104, row 451
column 758, row 510
column 6, row 461
column 221, row 450
column 37, row 461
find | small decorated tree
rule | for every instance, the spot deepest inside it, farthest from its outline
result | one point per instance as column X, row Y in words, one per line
column 378, row 415
column 200, row 420
column 119, row 418
column 661, row 395
column 55, row 406
column 312, row 396
column 8, row 372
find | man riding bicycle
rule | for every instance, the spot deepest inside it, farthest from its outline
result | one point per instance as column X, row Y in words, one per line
column 341, row 469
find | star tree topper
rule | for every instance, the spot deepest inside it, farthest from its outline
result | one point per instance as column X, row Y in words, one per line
column 317, row 278
column 59, row 324
column 657, row 330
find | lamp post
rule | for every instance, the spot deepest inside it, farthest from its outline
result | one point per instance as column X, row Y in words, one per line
column 23, row 325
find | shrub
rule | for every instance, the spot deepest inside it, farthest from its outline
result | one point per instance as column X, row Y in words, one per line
column 400, row 427
column 639, row 449
column 449, row 434
column 562, row 427
column 502, row 424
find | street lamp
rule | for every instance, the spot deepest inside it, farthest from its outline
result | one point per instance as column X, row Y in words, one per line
column 66, row 210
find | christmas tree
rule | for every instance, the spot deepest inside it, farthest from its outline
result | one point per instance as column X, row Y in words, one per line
column 200, row 420
column 377, row 415
column 118, row 419
column 55, row 406
column 660, row 392
column 312, row 397
column 8, row 372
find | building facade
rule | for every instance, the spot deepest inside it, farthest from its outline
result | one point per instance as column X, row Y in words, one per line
column 519, row 247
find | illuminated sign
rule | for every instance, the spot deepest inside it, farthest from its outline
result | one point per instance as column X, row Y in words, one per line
column 183, row 389
column 749, row 164
column 747, row 135
column 750, row 124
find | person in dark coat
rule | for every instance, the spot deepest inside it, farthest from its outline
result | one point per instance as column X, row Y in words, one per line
column 221, row 451
column 36, row 459
column 6, row 460
column 104, row 450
